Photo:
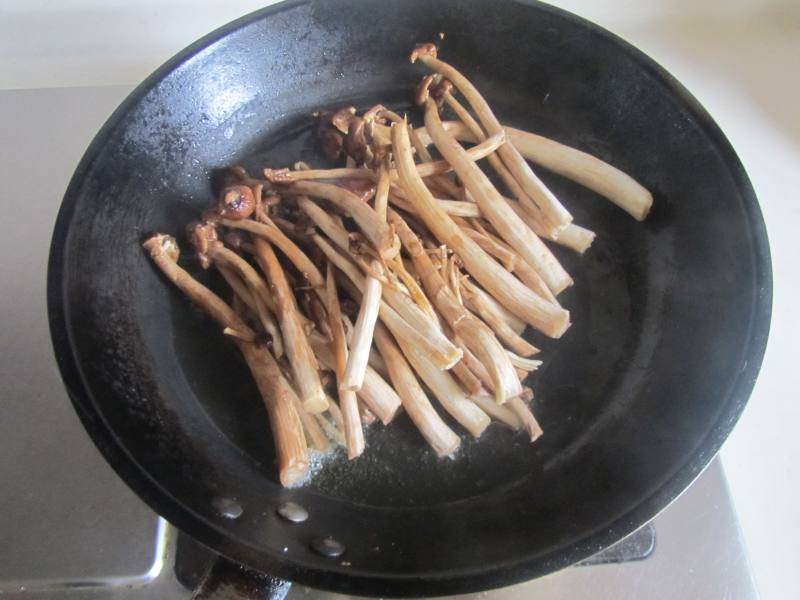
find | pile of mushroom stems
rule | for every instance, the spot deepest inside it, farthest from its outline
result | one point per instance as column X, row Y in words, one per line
column 397, row 282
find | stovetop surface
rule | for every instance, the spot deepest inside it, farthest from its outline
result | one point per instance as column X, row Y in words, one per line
column 71, row 528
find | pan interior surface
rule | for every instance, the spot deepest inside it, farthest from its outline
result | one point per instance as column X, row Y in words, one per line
column 669, row 316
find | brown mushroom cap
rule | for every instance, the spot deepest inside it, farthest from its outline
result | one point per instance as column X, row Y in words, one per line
column 165, row 244
column 236, row 202
column 423, row 50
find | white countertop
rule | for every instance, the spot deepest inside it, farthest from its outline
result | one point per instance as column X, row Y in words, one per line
column 738, row 57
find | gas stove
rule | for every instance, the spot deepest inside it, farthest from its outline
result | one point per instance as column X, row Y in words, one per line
column 72, row 529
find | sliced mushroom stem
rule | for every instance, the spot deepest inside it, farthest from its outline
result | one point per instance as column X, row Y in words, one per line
column 499, row 413
column 526, row 416
column 576, row 237
column 546, row 317
column 362, row 334
column 447, row 392
column 475, row 334
column 376, row 394
column 435, row 431
column 583, row 168
column 494, row 207
column 533, row 186
column 353, row 431
column 494, row 319
column 496, row 163
column 301, row 357
column 400, row 313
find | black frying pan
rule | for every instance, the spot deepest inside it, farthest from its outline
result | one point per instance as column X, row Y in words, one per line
column 670, row 316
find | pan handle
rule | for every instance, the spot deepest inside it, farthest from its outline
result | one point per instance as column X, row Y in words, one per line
column 228, row 580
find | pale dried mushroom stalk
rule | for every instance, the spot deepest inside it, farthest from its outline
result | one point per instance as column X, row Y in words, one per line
column 353, row 431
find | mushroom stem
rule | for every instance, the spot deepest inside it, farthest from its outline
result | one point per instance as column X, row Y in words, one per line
column 475, row 334
column 548, row 318
column 583, row 168
column 435, row 431
column 353, row 432
column 376, row 394
column 472, row 126
column 447, row 392
column 526, row 416
column 399, row 312
column 374, row 228
column 494, row 208
column 497, row 412
column 268, row 230
column 287, row 431
column 265, row 303
column 281, row 404
column 362, row 334
column 301, row 357
column 520, row 169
